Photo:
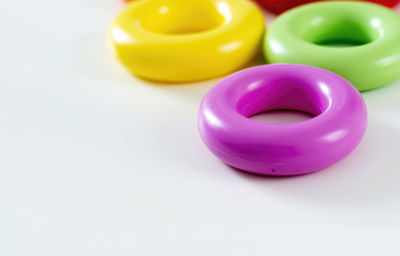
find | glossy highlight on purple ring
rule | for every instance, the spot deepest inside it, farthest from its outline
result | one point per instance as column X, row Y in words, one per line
column 282, row 149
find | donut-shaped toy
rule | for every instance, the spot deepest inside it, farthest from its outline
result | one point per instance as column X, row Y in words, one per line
column 181, row 40
column 359, row 41
column 282, row 149
column 279, row 6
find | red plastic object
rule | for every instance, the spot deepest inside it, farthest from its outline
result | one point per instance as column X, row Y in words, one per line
column 279, row 6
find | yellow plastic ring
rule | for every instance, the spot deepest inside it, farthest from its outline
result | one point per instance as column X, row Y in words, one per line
column 181, row 40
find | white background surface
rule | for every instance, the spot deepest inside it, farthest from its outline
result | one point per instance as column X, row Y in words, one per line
column 94, row 161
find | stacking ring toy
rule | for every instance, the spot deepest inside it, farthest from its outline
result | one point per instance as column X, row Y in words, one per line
column 359, row 41
column 279, row 6
column 282, row 149
column 181, row 40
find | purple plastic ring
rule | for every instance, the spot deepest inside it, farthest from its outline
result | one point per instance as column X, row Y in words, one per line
column 282, row 149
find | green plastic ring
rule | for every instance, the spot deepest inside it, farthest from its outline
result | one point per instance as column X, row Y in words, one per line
column 359, row 41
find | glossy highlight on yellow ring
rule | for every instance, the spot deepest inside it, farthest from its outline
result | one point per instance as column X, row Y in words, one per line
column 182, row 40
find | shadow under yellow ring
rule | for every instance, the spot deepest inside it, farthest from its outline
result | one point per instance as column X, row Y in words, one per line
column 182, row 40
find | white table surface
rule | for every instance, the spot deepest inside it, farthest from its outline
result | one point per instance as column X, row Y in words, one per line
column 94, row 161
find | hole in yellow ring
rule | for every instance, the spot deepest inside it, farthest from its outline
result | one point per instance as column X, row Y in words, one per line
column 180, row 17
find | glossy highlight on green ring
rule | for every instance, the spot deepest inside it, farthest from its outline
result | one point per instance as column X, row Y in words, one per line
column 359, row 41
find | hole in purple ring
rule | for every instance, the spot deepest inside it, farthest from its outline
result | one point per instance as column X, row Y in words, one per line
column 288, row 99
column 282, row 116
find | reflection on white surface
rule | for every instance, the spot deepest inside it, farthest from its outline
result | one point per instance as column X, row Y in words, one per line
column 391, row 119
